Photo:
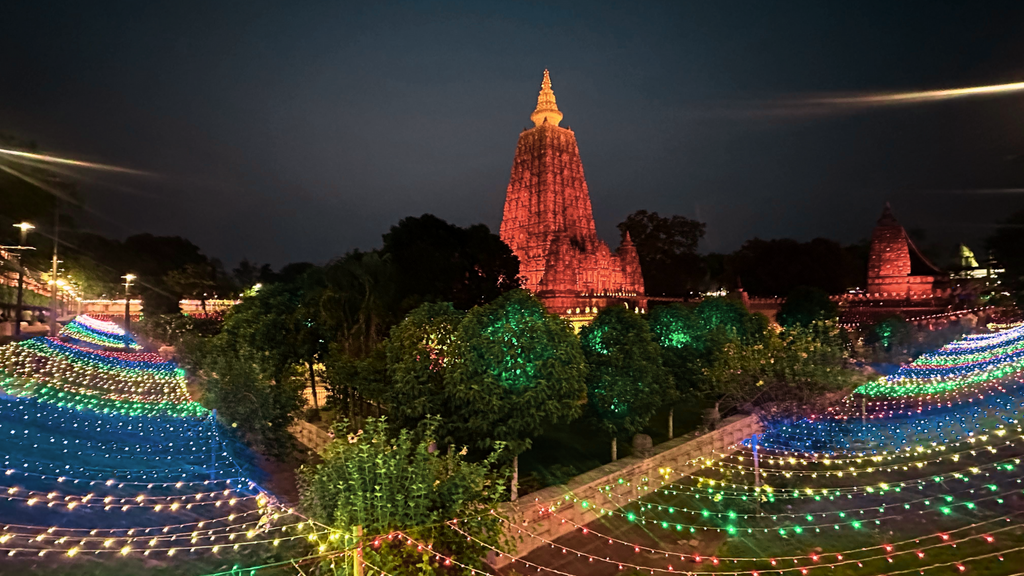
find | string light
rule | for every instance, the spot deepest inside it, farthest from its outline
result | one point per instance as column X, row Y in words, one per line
column 114, row 433
column 98, row 332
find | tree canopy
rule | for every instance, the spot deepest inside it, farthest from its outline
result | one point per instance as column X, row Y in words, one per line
column 667, row 247
column 519, row 370
column 777, row 267
column 806, row 305
column 1007, row 246
column 255, row 369
column 725, row 356
column 626, row 382
column 383, row 480
column 440, row 262
column 420, row 354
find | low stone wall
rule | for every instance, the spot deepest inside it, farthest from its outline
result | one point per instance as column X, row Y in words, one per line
column 309, row 435
column 534, row 511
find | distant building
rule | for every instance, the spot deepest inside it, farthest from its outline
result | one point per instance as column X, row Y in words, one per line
column 549, row 224
column 969, row 269
column 896, row 269
column 900, row 280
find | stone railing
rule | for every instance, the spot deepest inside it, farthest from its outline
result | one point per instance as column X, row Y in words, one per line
column 535, row 512
column 309, row 435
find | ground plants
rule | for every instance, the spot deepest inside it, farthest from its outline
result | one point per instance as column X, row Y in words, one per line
column 391, row 486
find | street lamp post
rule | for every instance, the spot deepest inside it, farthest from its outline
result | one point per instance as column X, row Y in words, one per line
column 127, row 309
column 24, row 227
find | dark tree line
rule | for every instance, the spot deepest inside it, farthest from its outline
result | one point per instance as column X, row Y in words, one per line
column 667, row 246
column 325, row 326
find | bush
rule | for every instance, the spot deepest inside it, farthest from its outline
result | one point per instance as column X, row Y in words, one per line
column 385, row 483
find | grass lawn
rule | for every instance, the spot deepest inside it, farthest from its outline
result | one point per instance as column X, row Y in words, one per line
column 908, row 511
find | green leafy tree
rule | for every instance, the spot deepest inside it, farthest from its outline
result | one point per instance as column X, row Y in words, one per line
column 889, row 338
column 355, row 382
column 667, row 247
column 440, row 262
column 731, row 317
column 1007, row 247
column 786, row 368
column 383, row 482
column 254, row 370
column 626, row 382
column 247, row 274
column 308, row 326
column 152, row 258
column 254, row 387
column 726, row 357
column 358, row 302
column 519, row 370
column 806, row 305
column 193, row 280
column 777, row 267
column 681, row 335
column 420, row 353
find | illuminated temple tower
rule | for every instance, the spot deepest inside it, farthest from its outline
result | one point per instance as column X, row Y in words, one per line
column 896, row 270
column 549, row 224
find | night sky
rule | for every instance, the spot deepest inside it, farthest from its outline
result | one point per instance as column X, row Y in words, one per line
column 288, row 131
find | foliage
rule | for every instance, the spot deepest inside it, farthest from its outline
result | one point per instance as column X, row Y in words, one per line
column 420, row 352
column 252, row 371
column 731, row 317
column 727, row 357
column 9, row 296
column 439, row 262
column 194, row 280
column 791, row 367
column 177, row 329
column 357, row 303
column 519, row 370
column 777, row 267
column 890, row 334
column 352, row 380
column 167, row 269
column 247, row 274
column 805, row 305
column 676, row 326
column 237, row 382
column 626, row 382
column 385, row 482
column 1007, row 247
column 894, row 340
column 667, row 247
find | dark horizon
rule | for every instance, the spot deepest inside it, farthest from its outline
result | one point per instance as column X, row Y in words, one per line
column 286, row 135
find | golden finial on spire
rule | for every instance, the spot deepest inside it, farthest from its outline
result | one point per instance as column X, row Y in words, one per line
column 547, row 111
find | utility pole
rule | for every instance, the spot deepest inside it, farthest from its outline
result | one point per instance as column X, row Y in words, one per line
column 24, row 227
column 127, row 309
column 53, row 272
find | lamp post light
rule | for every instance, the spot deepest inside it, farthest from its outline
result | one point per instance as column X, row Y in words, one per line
column 128, row 278
column 24, row 227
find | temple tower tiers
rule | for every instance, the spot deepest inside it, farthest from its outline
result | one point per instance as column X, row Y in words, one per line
column 549, row 223
column 895, row 267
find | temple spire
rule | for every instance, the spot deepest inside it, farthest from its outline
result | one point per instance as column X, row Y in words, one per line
column 887, row 218
column 547, row 111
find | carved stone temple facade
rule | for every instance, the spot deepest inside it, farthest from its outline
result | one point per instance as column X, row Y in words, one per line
column 900, row 280
column 896, row 270
column 549, row 224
